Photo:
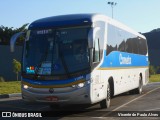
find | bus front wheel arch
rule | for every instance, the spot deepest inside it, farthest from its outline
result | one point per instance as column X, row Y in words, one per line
column 106, row 102
column 110, row 92
column 139, row 89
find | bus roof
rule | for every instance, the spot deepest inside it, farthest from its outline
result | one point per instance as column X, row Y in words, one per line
column 77, row 19
column 62, row 20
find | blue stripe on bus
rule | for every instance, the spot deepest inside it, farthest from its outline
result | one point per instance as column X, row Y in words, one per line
column 123, row 59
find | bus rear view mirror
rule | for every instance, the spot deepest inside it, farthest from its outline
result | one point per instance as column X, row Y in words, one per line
column 14, row 39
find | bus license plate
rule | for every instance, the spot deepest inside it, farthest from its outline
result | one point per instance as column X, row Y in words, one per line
column 52, row 98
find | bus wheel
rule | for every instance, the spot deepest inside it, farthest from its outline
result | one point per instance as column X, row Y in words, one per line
column 139, row 89
column 106, row 102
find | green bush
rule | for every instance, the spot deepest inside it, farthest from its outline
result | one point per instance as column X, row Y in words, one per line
column 2, row 79
column 153, row 69
column 16, row 67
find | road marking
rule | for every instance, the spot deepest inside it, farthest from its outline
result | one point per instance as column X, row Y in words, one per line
column 153, row 109
column 130, row 101
column 98, row 117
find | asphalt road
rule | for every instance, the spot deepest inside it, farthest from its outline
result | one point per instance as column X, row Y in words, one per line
column 123, row 105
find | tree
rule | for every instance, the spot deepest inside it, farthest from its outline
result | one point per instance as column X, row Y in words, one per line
column 154, row 69
column 22, row 28
column 6, row 33
column 16, row 67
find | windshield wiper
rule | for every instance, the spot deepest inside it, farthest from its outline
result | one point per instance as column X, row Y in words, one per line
column 63, row 61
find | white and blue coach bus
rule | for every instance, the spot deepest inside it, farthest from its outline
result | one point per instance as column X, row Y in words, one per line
column 81, row 59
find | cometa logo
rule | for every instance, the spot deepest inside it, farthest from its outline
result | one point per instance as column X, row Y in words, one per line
column 125, row 60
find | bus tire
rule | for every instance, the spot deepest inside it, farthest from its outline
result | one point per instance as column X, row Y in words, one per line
column 139, row 89
column 106, row 102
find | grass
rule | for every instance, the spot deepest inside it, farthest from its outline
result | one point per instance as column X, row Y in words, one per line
column 154, row 78
column 10, row 87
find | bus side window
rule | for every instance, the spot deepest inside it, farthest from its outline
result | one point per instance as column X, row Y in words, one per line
column 96, row 51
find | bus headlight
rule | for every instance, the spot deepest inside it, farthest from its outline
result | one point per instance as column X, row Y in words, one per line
column 25, row 86
column 80, row 85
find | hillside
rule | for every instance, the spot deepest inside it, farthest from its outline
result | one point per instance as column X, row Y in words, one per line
column 153, row 40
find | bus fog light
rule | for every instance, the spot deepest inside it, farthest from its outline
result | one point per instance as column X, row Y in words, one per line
column 25, row 86
column 73, row 86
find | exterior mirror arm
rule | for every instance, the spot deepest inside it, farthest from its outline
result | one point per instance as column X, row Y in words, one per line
column 14, row 39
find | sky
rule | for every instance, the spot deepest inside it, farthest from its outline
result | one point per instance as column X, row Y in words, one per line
column 140, row 15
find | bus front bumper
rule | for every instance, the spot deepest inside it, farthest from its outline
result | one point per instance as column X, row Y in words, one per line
column 42, row 95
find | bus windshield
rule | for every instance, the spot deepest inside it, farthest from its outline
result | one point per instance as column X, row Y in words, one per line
column 56, row 51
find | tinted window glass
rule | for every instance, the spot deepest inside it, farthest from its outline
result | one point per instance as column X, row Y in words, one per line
column 121, row 40
column 96, row 54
